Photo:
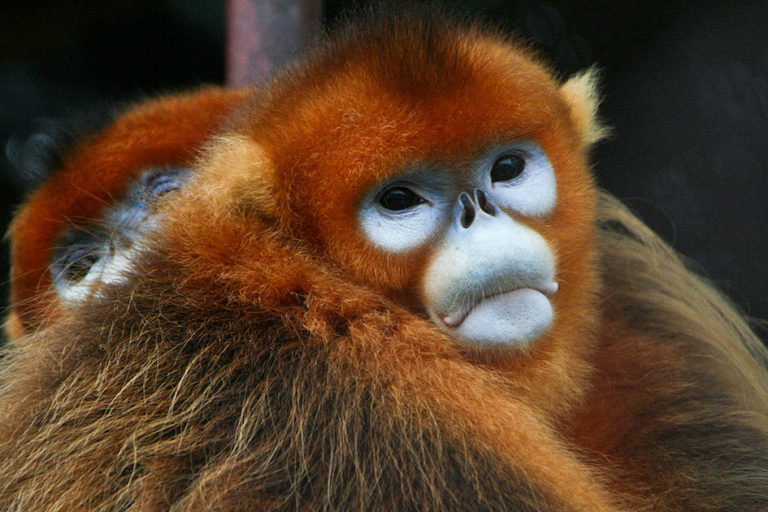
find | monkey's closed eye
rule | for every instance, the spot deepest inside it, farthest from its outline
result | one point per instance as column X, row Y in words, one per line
column 77, row 262
column 81, row 255
column 161, row 184
column 158, row 183
column 507, row 167
column 400, row 198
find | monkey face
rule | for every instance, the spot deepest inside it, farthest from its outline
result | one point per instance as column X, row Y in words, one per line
column 90, row 256
column 489, row 277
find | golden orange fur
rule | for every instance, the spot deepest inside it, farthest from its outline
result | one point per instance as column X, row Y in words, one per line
column 265, row 356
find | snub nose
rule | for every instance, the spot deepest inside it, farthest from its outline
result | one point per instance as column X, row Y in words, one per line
column 468, row 207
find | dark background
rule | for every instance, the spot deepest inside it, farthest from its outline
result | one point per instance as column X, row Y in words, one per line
column 685, row 85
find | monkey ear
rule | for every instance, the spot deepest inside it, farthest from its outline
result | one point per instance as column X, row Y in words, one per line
column 85, row 223
column 581, row 94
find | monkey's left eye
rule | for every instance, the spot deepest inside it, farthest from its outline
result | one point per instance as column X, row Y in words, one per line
column 400, row 198
column 507, row 167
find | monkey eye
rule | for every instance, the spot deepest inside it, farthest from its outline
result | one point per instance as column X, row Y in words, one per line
column 160, row 182
column 400, row 198
column 161, row 185
column 77, row 263
column 507, row 167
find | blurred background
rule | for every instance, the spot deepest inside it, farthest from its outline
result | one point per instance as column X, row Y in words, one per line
column 685, row 86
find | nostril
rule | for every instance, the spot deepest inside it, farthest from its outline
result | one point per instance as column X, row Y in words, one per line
column 483, row 203
column 468, row 212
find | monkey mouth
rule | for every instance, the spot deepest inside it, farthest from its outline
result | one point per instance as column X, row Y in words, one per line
column 504, row 300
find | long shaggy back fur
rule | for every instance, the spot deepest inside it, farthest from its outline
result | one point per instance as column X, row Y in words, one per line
column 679, row 400
column 650, row 286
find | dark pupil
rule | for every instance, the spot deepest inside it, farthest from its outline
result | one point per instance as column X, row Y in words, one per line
column 507, row 167
column 399, row 198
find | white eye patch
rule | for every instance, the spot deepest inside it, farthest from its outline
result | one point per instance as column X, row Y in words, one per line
column 76, row 280
column 408, row 221
column 534, row 192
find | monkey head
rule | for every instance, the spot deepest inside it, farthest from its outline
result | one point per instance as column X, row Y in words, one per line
column 85, row 222
column 458, row 179
column 451, row 177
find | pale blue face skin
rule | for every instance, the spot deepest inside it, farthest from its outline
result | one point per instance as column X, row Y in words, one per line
column 102, row 253
column 490, row 277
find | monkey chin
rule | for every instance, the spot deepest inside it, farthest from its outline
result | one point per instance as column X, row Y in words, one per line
column 510, row 319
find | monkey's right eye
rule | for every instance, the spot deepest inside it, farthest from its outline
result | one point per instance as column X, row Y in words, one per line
column 400, row 198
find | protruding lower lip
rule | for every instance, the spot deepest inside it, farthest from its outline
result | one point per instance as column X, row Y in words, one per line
column 455, row 318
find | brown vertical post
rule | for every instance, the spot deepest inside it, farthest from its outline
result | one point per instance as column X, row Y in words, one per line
column 264, row 34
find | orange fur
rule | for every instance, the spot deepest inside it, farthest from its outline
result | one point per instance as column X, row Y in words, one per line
column 264, row 356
